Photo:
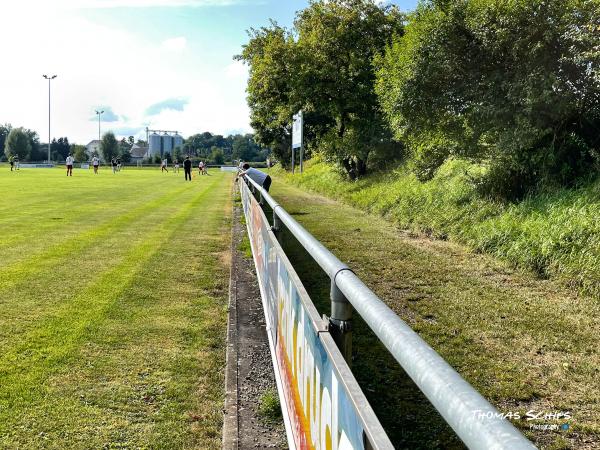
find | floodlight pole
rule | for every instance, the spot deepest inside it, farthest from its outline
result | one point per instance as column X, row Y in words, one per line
column 49, row 78
column 99, row 113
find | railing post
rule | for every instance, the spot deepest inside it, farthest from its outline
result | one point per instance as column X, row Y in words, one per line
column 340, row 322
column 277, row 227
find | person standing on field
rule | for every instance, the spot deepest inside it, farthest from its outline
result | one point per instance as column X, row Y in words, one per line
column 69, row 165
column 114, row 165
column 187, row 168
column 95, row 163
column 176, row 169
column 11, row 160
column 163, row 166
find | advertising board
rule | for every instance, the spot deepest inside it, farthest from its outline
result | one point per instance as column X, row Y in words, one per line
column 322, row 404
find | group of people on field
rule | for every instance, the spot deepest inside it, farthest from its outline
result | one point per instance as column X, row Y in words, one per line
column 187, row 167
column 244, row 169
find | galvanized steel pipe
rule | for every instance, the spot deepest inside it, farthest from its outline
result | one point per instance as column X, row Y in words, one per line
column 472, row 417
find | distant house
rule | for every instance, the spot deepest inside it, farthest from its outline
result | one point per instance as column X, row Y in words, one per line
column 93, row 147
column 138, row 152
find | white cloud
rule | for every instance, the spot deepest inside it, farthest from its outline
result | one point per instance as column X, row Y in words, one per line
column 176, row 44
column 117, row 71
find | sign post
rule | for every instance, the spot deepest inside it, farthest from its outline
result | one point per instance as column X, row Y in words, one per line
column 298, row 139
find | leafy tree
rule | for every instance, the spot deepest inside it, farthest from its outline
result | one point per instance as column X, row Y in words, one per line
column 125, row 155
column 4, row 131
column 273, row 62
column 177, row 155
column 17, row 144
column 337, row 41
column 79, row 152
column 109, row 146
column 513, row 84
column 60, row 148
column 217, row 156
column 328, row 73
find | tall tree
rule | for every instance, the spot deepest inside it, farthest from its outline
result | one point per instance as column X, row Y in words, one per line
column 79, row 152
column 17, row 144
column 327, row 72
column 4, row 131
column 273, row 62
column 109, row 146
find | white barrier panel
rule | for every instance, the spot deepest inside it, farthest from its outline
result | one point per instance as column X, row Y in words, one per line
column 229, row 169
column 323, row 405
column 35, row 166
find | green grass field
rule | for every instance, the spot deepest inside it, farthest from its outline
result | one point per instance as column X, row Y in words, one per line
column 112, row 308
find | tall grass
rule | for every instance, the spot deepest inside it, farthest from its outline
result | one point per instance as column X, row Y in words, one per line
column 555, row 234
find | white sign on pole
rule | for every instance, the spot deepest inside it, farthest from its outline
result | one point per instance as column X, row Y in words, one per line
column 297, row 127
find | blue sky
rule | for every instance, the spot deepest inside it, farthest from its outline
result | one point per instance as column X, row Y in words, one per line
column 166, row 64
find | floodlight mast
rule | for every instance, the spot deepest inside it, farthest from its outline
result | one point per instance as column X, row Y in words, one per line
column 99, row 113
column 49, row 78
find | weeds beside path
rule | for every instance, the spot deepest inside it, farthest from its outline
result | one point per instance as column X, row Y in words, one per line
column 524, row 343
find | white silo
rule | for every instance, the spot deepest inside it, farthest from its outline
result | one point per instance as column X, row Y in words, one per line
column 177, row 142
column 154, row 145
column 167, row 144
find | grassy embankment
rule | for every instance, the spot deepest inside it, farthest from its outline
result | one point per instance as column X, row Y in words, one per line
column 112, row 298
column 525, row 343
column 556, row 234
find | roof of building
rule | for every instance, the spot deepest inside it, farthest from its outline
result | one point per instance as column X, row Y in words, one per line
column 94, row 142
column 138, row 150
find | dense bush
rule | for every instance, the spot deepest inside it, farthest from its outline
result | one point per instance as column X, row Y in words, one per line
column 514, row 84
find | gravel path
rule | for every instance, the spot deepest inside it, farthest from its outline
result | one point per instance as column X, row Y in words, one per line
column 254, row 370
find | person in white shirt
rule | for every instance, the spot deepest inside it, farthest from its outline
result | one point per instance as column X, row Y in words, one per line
column 70, row 165
column 163, row 166
column 95, row 163
column 176, row 170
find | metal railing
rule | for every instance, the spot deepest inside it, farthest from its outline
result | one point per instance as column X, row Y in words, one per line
column 476, row 422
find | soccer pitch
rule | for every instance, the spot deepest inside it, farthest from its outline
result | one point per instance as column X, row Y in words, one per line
column 113, row 294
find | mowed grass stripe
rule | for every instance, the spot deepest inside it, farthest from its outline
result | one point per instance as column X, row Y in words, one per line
column 59, row 213
column 24, row 367
column 37, row 296
column 153, row 369
column 32, row 263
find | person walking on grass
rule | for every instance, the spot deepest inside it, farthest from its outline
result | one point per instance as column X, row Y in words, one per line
column 176, row 169
column 16, row 163
column 258, row 176
column 118, row 164
column 95, row 163
column 70, row 165
column 11, row 160
column 163, row 166
column 113, row 162
column 187, row 168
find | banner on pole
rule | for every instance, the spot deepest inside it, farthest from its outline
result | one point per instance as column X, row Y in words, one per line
column 297, row 130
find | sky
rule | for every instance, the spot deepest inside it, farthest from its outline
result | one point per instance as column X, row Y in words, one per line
column 165, row 64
